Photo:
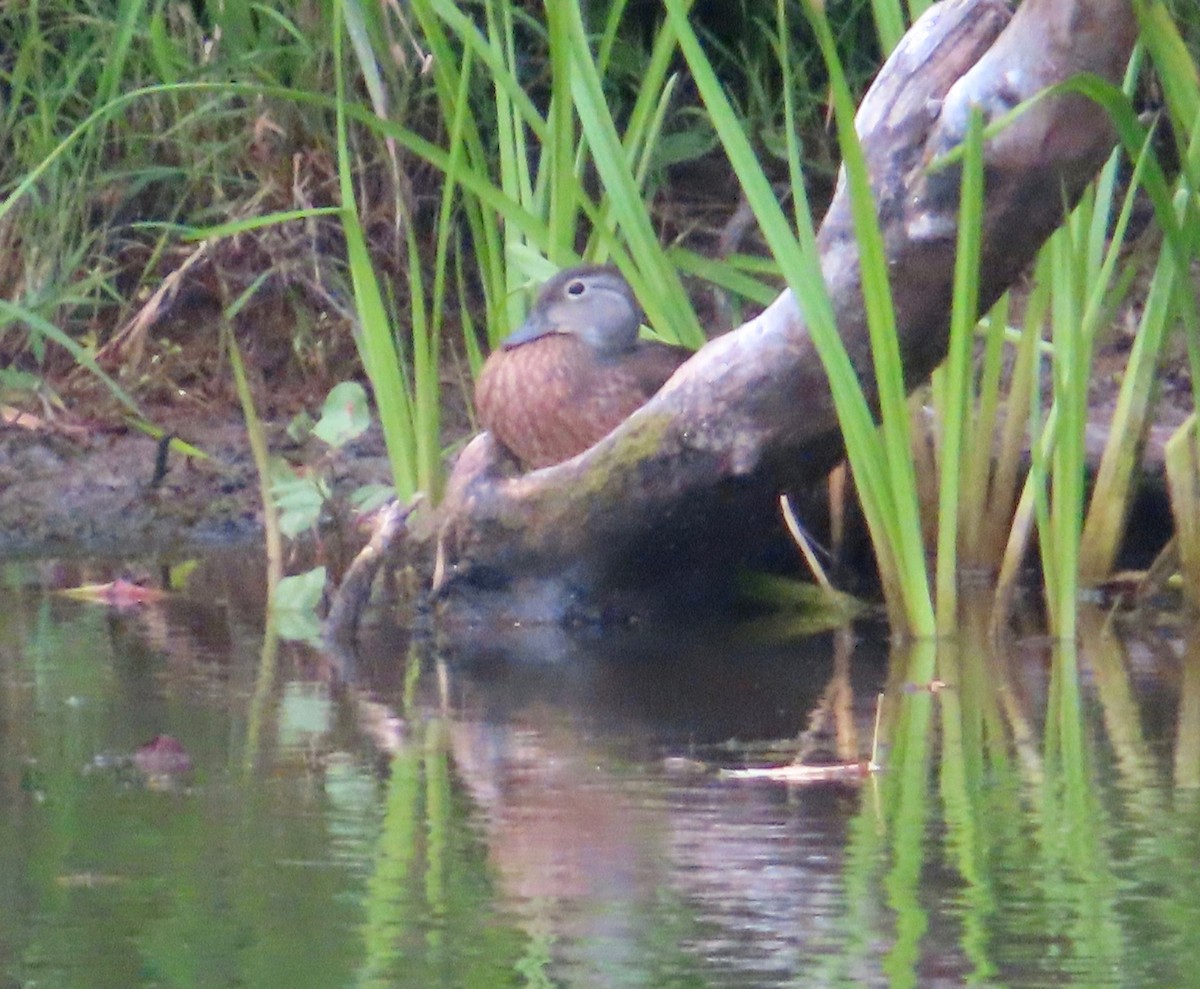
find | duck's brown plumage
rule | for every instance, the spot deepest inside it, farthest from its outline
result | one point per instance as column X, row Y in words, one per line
column 573, row 371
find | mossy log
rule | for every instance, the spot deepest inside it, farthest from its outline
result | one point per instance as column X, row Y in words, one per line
column 674, row 495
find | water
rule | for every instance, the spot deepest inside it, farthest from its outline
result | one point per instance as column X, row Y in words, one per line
column 537, row 809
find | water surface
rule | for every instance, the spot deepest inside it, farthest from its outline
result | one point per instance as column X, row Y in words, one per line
column 536, row 808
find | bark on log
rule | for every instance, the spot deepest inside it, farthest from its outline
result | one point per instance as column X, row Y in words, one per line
column 682, row 485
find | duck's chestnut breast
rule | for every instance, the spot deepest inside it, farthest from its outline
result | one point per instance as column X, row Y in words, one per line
column 551, row 398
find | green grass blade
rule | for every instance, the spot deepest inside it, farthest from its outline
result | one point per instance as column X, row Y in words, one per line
column 1108, row 508
column 668, row 308
column 375, row 341
column 889, row 23
column 10, row 312
column 903, row 520
column 957, row 373
column 794, row 248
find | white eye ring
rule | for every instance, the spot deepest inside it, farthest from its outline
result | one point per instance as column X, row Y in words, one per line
column 576, row 288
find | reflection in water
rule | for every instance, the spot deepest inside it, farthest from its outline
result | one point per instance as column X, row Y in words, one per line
column 540, row 808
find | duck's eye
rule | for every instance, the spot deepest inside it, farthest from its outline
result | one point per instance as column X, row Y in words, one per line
column 576, row 288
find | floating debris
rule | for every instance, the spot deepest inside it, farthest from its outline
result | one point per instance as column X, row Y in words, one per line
column 87, row 880
column 834, row 772
column 163, row 755
column 933, row 686
column 118, row 593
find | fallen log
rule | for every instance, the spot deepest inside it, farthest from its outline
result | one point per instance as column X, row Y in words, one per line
column 666, row 503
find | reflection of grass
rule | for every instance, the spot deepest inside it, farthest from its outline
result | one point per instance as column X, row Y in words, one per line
column 430, row 908
column 1047, row 845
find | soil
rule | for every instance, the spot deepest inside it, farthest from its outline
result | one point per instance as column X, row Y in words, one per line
column 67, row 489
column 79, row 477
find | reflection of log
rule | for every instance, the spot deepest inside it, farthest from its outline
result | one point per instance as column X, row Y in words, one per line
column 688, row 477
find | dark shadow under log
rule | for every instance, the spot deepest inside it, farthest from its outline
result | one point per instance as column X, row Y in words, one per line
column 673, row 497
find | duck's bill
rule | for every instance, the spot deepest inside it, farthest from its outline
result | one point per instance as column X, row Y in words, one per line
column 534, row 328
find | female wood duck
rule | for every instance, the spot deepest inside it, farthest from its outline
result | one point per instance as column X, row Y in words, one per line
column 573, row 370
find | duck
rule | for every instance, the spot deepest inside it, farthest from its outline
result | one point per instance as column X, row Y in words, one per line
column 573, row 371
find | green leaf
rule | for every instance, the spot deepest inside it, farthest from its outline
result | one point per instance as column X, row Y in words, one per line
column 167, row 57
column 295, row 605
column 301, row 427
column 298, row 498
column 689, row 145
column 345, row 415
column 370, row 497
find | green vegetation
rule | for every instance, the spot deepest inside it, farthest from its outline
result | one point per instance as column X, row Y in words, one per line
column 400, row 175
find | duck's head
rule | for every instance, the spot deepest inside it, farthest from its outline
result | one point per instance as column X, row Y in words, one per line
column 590, row 302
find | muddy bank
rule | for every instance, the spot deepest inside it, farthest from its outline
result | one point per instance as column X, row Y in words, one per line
column 79, row 482
column 68, row 489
